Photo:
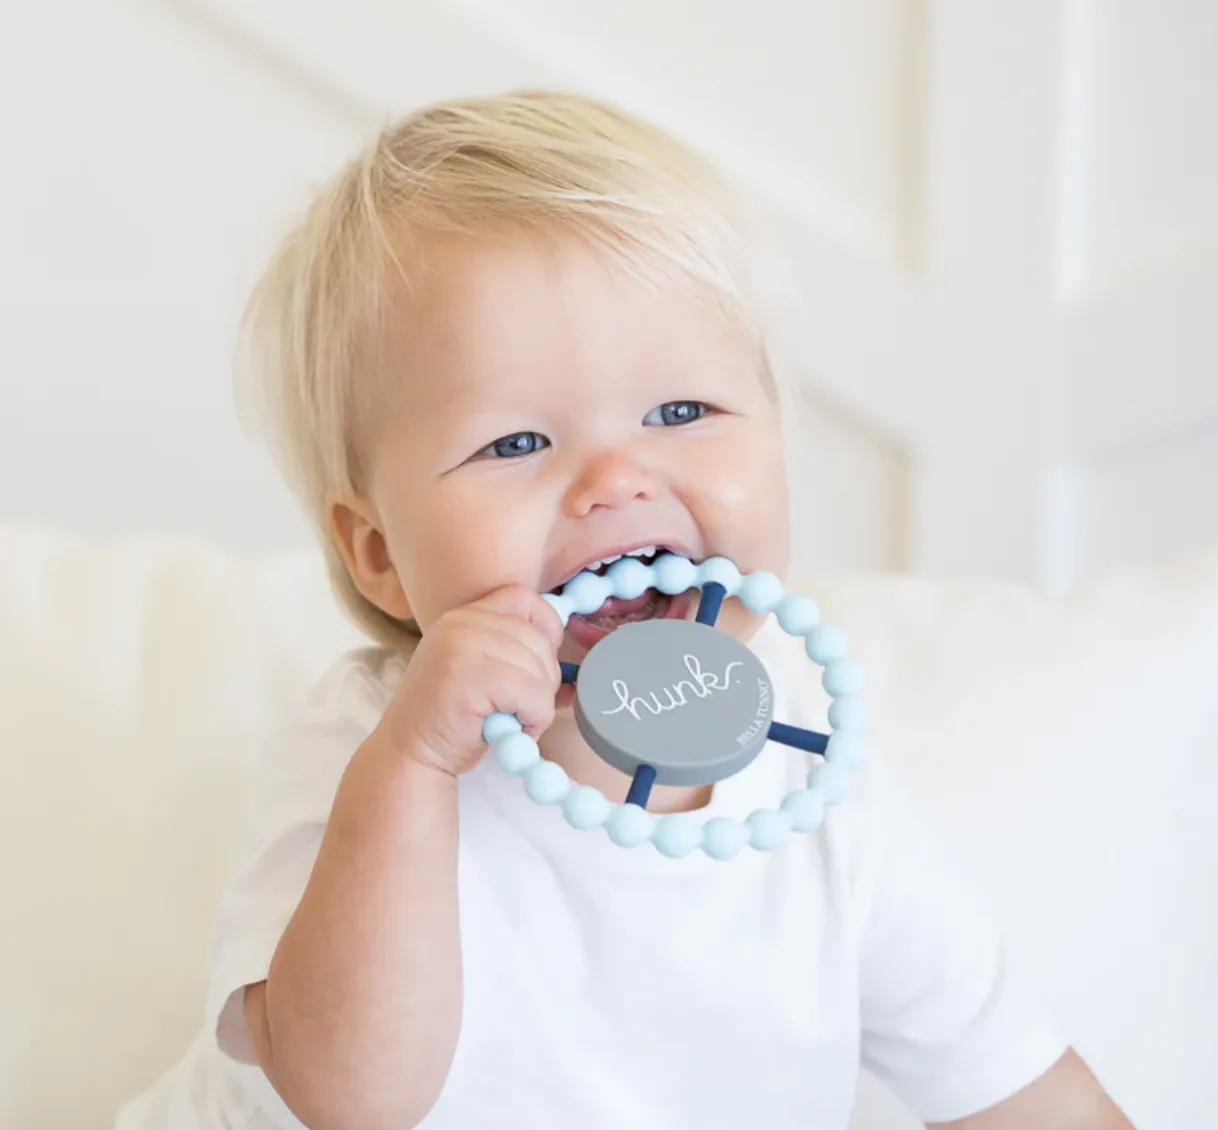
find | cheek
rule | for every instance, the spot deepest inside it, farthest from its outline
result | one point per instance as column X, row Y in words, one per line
column 460, row 546
column 746, row 482
column 740, row 498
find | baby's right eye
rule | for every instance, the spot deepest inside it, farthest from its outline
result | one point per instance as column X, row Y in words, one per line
column 515, row 445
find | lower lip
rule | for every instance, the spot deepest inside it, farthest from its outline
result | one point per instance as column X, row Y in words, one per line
column 585, row 635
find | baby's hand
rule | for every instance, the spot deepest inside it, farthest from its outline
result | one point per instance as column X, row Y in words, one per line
column 499, row 653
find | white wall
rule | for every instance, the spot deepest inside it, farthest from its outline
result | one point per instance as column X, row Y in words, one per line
column 1001, row 220
column 145, row 165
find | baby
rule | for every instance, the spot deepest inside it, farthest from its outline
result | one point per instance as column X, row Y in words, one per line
column 518, row 337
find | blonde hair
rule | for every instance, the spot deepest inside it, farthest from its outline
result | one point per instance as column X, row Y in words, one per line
column 541, row 160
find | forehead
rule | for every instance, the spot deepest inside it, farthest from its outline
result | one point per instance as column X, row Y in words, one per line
column 497, row 316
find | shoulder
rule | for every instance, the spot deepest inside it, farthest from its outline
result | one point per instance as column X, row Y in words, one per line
column 304, row 757
column 356, row 687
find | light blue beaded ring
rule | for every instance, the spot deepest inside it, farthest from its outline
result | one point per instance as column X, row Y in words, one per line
column 670, row 701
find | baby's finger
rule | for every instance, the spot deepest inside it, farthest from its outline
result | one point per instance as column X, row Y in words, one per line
column 517, row 690
column 525, row 647
column 526, row 635
column 525, row 604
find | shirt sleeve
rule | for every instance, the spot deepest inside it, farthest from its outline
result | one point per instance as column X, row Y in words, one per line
column 299, row 773
column 945, row 1023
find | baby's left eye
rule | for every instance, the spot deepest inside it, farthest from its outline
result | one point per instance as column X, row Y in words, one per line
column 675, row 413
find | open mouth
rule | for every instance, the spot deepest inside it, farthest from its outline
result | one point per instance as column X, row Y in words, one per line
column 588, row 628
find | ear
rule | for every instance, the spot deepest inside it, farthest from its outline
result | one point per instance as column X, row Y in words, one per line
column 355, row 527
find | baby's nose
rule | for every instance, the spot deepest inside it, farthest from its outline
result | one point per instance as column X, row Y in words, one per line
column 611, row 480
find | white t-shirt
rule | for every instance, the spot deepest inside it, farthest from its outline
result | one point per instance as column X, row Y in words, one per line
column 608, row 988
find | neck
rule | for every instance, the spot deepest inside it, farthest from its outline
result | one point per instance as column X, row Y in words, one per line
column 563, row 744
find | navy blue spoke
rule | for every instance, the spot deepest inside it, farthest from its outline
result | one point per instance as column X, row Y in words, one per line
column 797, row 737
column 710, row 603
column 640, row 787
column 570, row 672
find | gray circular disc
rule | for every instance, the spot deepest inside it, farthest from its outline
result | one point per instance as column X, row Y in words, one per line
column 690, row 701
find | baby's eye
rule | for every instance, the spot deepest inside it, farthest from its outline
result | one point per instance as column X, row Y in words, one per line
column 515, row 445
column 675, row 413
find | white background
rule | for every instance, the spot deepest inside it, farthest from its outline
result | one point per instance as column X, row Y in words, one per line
column 1003, row 222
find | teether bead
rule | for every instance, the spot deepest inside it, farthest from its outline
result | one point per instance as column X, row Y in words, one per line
column 760, row 592
column 516, row 753
column 722, row 570
column 806, row 809
column 629, row 578
column 798, row 615
column 723, row 838
column 676, row 835
column 547, row 782
column 768, row 828
column 849, row 713
column 673, row 575
column 842, row 677
column 560, row 604
column 585, row 807
column 831, row 780
column 629, row 825
column 499, row 725
column 844, row 748
column 587, row 592
column 825, row 644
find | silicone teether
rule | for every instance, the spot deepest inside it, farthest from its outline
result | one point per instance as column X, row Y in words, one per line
column 676, row 702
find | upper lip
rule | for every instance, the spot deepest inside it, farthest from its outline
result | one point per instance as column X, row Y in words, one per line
column 566, row 572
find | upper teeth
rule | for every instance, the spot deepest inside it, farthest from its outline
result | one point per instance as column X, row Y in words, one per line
column 646, row 551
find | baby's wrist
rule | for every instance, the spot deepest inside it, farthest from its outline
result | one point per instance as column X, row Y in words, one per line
column 425, row 760
column 410, row 755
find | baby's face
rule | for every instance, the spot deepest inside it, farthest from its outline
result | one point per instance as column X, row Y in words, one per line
column 555, row 412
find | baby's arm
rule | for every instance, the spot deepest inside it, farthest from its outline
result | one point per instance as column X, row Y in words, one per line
column 1066, row 1097
column 357, row 1022
column 358, row 1019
